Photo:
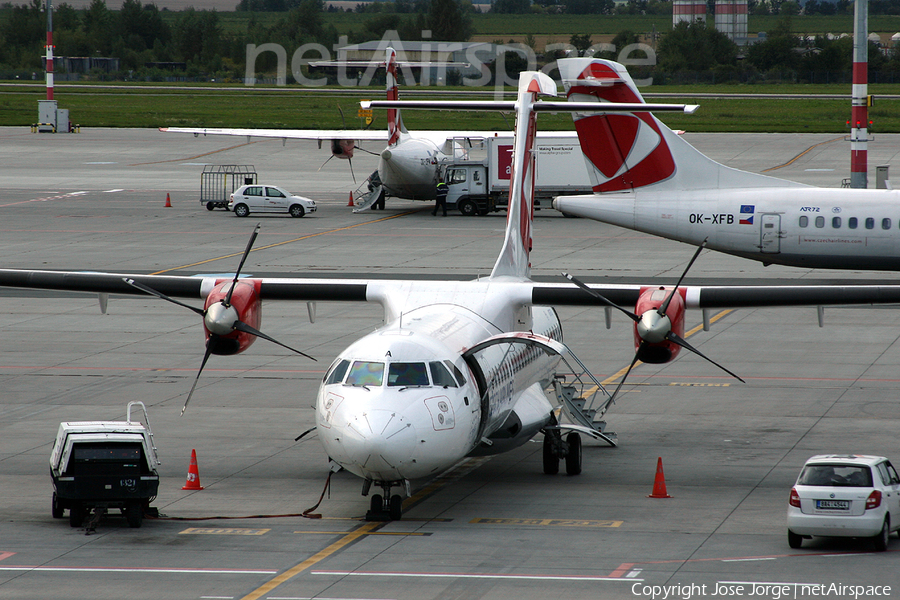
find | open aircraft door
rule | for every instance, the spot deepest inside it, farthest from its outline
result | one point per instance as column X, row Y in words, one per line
column 770, row 233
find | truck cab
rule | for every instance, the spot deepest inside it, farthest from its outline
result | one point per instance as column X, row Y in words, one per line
column 467, row 189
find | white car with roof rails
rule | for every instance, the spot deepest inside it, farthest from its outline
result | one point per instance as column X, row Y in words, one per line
column 268, row 198
column 841, row 495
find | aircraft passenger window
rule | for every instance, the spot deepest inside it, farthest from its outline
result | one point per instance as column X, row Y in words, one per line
column 456, row 372
column 804, row 221
column 440, row 375
column 366, row 373
column 274, row 193
column 870, row 223
column 820, row 222
column 337, row 372
column 885, row 223
column 403, row 374
column 836, row 222
column 851, row 222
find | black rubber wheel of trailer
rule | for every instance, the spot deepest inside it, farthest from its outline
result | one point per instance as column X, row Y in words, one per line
column 76, row 514
column 134, row 514
column 56, row 508
column 210, row 206
column 573, row 458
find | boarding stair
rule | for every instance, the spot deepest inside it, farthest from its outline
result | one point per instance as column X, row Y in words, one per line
column 584, row 401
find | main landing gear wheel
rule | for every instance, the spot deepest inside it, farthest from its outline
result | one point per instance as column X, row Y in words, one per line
column 573, row 456
column 551, row 458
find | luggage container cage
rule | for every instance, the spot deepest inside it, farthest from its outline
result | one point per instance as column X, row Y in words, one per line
column 217, row 182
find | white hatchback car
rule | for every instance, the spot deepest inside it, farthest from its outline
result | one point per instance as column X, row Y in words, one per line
column 844, row 495
column 268, row 198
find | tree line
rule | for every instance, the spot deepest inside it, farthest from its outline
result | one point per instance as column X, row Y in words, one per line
column 153, row 44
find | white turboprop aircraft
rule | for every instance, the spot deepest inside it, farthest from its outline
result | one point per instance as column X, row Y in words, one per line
column 647, row 178
column 459, row 368
column 408, row 166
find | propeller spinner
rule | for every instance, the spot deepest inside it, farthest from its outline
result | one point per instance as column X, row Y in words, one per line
column 653, row 326
column 227, row 311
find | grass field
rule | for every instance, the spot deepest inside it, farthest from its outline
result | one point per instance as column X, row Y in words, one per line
column 296, row 108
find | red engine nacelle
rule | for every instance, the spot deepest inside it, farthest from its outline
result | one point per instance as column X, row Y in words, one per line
column 649, row 301
column 343, row 148
column 221, row 337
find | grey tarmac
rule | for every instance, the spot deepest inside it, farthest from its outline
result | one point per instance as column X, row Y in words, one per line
column 490, row 528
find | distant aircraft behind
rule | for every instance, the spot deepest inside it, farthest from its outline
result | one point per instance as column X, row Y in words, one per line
column 411, row 164
column 647, row 178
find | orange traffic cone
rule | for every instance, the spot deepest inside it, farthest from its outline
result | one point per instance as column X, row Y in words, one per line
column 168, row 201
column 350, row 203
column 193, row 476
column 659, row 484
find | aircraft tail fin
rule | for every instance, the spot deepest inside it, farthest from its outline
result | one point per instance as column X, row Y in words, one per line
column 627, row 151
column 395, row 122
column 514, row 259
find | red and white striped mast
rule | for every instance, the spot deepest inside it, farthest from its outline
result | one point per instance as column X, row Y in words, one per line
column 49, row 49
column 859, row 111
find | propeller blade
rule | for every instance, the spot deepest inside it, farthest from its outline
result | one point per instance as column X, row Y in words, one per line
column 241, row 326
column 674, row 337
column 597, row 295
column 160, row 295
column 197, row 378
column 624, row 377
column 325, row 163
column 665, row 305
column 241, row 265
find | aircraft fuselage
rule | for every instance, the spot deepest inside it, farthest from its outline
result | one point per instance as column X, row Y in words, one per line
column 403, row 402
column 830, row 228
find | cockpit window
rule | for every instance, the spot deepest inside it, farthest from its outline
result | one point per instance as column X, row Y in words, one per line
column 440, row 375
column 337, row 371
column 457, row 372
column 403, row 374
column 366, row 373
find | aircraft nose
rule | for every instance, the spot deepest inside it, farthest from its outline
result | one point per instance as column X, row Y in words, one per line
column 381, row 442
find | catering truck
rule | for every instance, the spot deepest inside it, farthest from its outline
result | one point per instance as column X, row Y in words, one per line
column 104, row 464
column 478, row 176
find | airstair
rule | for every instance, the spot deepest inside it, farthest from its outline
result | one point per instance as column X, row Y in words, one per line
column 584, row 400
column 368, row 193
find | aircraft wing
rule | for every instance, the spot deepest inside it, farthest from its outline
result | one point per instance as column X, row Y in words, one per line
column 351, row 134
column 294, row 134
column 544, row 294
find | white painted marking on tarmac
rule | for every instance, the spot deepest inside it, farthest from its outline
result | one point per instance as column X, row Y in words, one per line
column 818, row 170
column 633, row 574
column 747, row 559
column 113, row 191
column 476, row 576
column 140, row 570
column 100, row 163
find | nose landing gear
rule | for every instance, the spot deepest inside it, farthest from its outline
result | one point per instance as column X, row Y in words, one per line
column 385, row 507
